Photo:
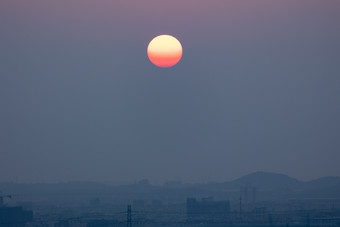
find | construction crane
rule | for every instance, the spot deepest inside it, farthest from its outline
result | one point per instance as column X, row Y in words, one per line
column 2, row 197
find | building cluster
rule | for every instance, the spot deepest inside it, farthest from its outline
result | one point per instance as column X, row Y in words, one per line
column 14, row 216
column 207, row 208
column 248, row 194
column 248, row 210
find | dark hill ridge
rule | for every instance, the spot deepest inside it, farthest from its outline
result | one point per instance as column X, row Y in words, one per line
column 265, row 180
column 330, row 181
column 261, row 180
column 269, row 185
column 323, row 187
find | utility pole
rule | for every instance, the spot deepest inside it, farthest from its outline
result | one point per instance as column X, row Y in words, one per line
column 241, row 208
column 129, row 217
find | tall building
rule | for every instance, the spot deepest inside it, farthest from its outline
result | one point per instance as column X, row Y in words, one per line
column 248, row 194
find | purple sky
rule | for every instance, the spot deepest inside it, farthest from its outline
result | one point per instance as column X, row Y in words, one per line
column 257, row 89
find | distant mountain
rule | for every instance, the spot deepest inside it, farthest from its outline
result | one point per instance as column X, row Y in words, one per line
column 261, row 180
column 266, row 181
column 327, row 182
column 270, row 186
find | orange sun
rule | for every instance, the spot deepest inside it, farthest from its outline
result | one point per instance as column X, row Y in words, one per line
column 165, row 51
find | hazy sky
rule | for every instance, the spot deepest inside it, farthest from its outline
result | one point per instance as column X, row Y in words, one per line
column 258, row 88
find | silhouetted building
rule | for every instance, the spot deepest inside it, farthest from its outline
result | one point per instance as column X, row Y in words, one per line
column 105, row 223
column 14, row 216
column 95, row 202
column 26, row 205
column 207, row 208
column 248, row 194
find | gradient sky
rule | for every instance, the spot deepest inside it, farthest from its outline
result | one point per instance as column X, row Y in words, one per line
column 258, row 88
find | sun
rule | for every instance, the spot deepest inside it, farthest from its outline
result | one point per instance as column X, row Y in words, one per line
column 165, row 51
